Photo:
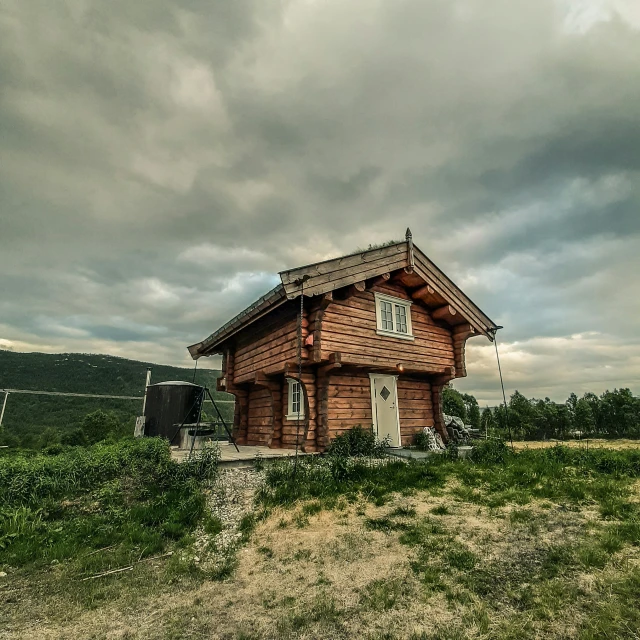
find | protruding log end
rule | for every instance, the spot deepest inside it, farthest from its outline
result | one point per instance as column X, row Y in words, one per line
column 445, row 313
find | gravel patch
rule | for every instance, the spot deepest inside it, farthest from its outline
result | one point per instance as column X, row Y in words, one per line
column 230, row 498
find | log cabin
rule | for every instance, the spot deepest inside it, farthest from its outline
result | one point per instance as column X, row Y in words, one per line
column 367, row 339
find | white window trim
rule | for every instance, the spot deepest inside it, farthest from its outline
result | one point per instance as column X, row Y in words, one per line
column 290, row 414
column 380, row 297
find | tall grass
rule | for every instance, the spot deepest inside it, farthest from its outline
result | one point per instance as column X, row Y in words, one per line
column 129, row 496
column 495, row 476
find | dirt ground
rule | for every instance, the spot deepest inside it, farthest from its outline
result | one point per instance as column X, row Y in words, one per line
column 346, row 573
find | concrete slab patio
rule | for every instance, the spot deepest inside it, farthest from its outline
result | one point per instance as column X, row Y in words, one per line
column 246, row 457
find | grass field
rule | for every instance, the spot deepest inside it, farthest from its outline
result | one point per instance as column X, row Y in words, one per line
column 596, row 443
column 540, row 544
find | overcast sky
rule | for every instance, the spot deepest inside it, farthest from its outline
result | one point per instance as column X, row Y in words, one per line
column 161, row 161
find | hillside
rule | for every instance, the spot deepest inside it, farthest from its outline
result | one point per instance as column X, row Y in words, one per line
column 28, row 415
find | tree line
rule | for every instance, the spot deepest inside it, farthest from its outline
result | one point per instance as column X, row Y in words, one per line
column 614, row 414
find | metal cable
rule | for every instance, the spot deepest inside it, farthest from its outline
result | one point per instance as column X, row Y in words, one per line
column 295, row 463
column 504, row 395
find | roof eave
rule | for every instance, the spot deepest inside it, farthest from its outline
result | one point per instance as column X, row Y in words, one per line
column 265, row 304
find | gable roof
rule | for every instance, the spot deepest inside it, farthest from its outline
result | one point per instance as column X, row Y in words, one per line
column 322, row 277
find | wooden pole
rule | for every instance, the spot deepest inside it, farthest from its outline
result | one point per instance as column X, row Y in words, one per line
column 4, row 406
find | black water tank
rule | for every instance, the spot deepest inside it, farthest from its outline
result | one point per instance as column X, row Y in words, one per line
column 169, row 404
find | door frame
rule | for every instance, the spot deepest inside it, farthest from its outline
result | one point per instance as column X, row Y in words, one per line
column 374, row 409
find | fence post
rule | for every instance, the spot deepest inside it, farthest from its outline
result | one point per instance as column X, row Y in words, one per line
column 144, row 401
column 4, row 406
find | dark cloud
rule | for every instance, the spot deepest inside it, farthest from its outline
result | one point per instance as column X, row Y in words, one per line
column 161, row 162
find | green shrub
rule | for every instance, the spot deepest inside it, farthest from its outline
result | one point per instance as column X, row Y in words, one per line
column 357, row 443
column 491, row 451
column 75, row 438
column 99, row 425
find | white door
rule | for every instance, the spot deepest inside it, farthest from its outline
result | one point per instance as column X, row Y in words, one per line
column 384, row 408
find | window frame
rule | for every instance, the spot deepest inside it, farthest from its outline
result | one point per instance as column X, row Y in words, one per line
column 394, row 302
column 291, row 415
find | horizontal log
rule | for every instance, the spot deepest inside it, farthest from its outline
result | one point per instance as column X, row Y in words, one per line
column 389, row 344
column 421, row 340
column 349, row 383
column 259, row 402
column 255, row 417
column 365, row 318
column 257, row 422
column 289, row 349
column 347, row 262
column 257, row 430
column 290, row 338
column 383, row 364
column 352, row 403
column 410, row 385
column 264, row 327
column 357, row 414
column 392, row 290
column 389, row 357
column 428, row 296
column 354, row 273
column 445, row 313
column 289, row 432
column 288, row 330
column 426, row 290
column 342, row 324
column 414, row 412
column 416, row 422
column 351, row 393
column 260, row 393
column 257, row 414
column 269, row 367
column 383, row 277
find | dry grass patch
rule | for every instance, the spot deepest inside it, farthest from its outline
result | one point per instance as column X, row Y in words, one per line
column 535, row 545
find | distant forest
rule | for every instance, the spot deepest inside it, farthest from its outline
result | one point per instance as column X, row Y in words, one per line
column 33, row 421
column 614, row 414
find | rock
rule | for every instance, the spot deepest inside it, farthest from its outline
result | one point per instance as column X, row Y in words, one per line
column 3, row 574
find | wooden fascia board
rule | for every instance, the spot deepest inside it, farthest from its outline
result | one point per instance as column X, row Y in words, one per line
column 345, row 277
column 450, row 292
column 332, row 274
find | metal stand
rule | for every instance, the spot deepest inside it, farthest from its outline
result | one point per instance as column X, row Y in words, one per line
column 224, row 424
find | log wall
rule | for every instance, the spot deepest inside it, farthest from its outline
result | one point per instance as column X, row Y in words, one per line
column 268, row 344
column 349, row 404
column 260, row 417
column 415, row 406
column 307, row 432
column 349, row 327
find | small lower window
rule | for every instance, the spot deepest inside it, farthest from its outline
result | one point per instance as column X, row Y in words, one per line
column 295, row 404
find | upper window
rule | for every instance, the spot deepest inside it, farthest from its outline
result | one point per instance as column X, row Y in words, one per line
column 393, row 316
column 295, row 404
